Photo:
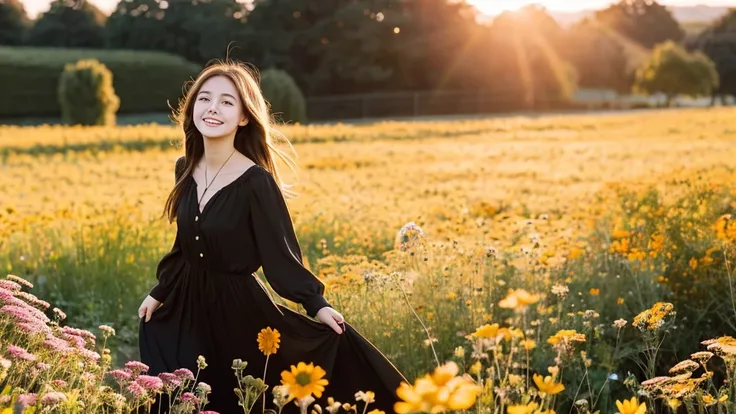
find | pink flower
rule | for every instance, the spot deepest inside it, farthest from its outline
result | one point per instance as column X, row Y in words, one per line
column 57, row 344
column 204, row 387
column 45, row 367
column 89, row 354
column 9, row 285
column 6, row 295
column 150, row 383
column 136, row 366
column 20, row 280
column 4, row 363
column 78, row 341
column 31, row 299
column 189, row 397
column 208, row 412
column 184, row 373
column 59, row 383
column 88, row 377
column 79, row 332
column 32, row 328
column 27, row 400
column 59, row 314
column 53, row 398
column 121, row 375
column 171, row 381
column 136, row 390
column 24, row 312
column 20, row 353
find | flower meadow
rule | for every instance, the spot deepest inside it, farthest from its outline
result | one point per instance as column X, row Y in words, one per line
column 513, row 265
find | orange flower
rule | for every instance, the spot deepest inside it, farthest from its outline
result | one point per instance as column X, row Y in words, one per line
column 268, row 341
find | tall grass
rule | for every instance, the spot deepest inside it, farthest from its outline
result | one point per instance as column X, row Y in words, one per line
column 505, row 254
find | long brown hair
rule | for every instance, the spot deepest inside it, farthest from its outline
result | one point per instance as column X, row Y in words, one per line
column 256, row 140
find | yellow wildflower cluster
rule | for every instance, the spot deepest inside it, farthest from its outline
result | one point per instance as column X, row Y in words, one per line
column 654, row 318
column 566, row 337
column 725, row 228
column 441, row 391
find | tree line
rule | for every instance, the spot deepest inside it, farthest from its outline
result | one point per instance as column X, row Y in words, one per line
column 361, row 46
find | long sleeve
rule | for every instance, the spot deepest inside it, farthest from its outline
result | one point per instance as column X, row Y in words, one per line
column 281, row 256
column 171, row 264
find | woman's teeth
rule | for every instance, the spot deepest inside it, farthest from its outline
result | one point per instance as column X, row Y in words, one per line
column 212, row 122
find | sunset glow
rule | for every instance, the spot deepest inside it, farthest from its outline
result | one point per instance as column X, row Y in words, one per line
column 493, row 7
column 499, row 6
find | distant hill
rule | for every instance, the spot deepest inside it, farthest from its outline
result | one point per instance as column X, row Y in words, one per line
column 684, row 14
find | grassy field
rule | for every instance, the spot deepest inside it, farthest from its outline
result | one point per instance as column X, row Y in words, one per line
column 598, row 217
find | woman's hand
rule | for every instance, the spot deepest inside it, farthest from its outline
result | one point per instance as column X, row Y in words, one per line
column 147, row 308
column 331, row 317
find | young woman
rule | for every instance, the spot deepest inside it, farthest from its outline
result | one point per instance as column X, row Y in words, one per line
column 232, row 219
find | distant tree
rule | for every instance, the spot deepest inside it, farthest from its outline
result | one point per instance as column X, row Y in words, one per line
column 718, row 42
column 196, row 30
column 69, row 24
column 440, row 46
column 644, row 21
column 328, row 46
column 137, row 25
column 202, row 30
column 602, row 60
column 13, row 22
column 524, row 63
column 673, row 71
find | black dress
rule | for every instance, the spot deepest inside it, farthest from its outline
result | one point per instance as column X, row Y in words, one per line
column 214, row 304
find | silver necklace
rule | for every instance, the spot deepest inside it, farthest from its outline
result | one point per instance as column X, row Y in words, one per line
column 207, row 186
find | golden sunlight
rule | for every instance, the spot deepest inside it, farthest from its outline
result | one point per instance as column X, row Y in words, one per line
column 493, row 7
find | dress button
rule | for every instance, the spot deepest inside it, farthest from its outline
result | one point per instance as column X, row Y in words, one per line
column 196, row 238
column 196, row 218
column 201, row 255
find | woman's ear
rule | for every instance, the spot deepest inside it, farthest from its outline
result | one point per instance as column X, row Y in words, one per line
column 243, row 122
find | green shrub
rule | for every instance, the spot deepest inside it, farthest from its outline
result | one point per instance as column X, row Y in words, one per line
column 86, row 94
column 145, row 81
column 283, row 94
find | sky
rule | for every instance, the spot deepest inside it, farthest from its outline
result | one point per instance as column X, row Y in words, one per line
column 34, row 7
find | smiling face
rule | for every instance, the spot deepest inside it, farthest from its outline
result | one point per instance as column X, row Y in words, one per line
column 218, row 110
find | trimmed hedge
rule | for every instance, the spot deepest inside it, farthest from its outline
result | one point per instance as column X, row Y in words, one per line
column 144, row 81
column 284, row 96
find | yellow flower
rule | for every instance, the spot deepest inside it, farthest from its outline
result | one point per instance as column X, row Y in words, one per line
column 566, row 336
column 547, row 385
column 268, row 341
column 518, row 299
column 522, row 409
column 441, row 391
column 673, row 403
column 486, row 331
column 475, row 368
column 528, row 344
column 376, row 411
column 368, row 396
column 304, row 380
column 631, row 406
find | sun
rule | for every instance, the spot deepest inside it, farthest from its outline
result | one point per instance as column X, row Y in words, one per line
column 493, row 7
